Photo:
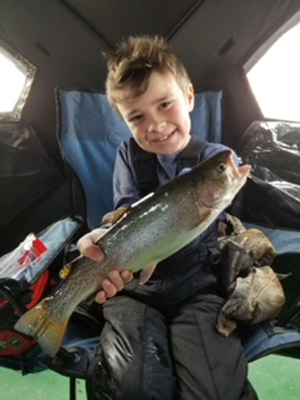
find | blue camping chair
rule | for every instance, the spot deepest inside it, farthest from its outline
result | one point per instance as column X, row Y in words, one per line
column 91, row 130
column 89, row 133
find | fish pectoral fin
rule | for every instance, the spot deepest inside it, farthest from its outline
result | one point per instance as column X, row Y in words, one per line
column 47, row 332
column 147, row 272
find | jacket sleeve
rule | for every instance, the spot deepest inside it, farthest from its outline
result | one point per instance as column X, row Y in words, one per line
column 125, row 189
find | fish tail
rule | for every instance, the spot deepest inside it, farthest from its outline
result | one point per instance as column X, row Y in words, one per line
column 48, row 333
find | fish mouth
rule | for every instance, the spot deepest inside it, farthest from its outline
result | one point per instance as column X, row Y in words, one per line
column 245, row 170
column 238, row 173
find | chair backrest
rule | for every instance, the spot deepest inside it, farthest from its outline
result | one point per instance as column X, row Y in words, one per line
column 90, row 131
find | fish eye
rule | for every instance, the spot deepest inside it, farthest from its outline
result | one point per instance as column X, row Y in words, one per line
column 221, row 167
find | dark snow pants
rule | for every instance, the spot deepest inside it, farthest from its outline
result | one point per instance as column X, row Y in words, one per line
column 160, row 343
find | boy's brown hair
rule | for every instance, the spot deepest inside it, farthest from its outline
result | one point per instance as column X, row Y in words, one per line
column 131, row 65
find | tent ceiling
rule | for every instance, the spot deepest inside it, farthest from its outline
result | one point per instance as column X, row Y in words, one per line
column 112, row 23
column 65, row 39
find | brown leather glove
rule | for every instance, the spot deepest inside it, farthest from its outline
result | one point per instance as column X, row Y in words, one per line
column 246, row 249
column 253, row 289
column 255, row 298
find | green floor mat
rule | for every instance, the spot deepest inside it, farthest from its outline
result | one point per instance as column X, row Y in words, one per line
column 274, row 378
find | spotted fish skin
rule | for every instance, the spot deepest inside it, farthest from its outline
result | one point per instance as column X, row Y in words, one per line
column 153, row 229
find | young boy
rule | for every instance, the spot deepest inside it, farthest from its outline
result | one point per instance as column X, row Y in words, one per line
column 159, row 341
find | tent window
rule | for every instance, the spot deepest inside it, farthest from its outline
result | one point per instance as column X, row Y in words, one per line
column 16, row 77
column 275, row 78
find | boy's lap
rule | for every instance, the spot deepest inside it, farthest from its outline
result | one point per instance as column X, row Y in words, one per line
column 201, row 354
column 135, row 346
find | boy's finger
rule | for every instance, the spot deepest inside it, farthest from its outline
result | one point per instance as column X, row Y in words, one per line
column 100, row 297
column 116, row 279
column 126, row 275
column 113, row 284
column 109, row 288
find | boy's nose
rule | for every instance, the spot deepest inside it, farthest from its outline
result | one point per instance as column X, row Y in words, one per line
column 157, row 125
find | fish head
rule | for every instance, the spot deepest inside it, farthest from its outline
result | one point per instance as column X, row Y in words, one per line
column 220, row 180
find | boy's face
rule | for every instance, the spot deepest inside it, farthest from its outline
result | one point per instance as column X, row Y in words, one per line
column 159, row 118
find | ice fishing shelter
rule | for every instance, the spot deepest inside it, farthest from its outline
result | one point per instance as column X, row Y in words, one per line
column 64, row 39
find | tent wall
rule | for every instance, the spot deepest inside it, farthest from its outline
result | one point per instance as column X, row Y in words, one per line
column 67, row 52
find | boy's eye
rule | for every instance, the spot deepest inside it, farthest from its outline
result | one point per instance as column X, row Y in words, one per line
column 135, row 118
column 166, row 104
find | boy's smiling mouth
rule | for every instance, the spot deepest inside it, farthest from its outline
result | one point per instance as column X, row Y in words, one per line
column 163, row 138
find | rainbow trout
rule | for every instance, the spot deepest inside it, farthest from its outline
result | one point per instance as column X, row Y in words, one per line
column 153, row 229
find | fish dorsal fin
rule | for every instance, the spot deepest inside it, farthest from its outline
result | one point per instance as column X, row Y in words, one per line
column 147, row 272
column 114, row 216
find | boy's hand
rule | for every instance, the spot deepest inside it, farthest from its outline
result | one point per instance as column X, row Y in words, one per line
column 116, row 279
column 87, row 247
column 114, row 283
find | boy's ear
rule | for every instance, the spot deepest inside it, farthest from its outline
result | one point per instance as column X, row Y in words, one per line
column 191, row 97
